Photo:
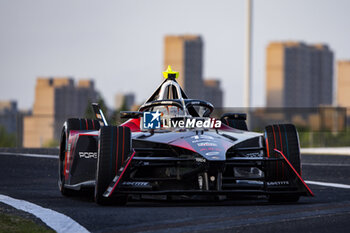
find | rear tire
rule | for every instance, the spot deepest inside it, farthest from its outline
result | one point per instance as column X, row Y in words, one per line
column 283, row 137
column 61, row 166
column 114, row 147
column 71, row 124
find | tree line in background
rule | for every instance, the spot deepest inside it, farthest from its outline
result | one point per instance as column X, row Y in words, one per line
column 7, row 139
column 112, row 117
column 325, row 139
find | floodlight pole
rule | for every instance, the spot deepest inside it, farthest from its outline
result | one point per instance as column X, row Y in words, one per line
column 248, row 56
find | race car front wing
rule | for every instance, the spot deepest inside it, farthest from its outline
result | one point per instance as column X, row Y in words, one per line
column 208, row 172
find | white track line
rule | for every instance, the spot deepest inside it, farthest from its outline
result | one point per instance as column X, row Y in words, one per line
column 335, row 185
column 57, row 221
column 307, row 164
column 327, row 164
column 326, row 151
column 31, row 155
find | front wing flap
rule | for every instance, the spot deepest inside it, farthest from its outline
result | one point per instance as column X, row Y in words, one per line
column 294, row 185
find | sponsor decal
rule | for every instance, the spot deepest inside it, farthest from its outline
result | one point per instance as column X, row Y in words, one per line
column 207, row 144
column 202, row 137
column 192, row 123
column 210, row 148
column 212, row 153
column 253, row 154
column 135, row 183
column 151, row 120
column 88, row 155
column 277, row 183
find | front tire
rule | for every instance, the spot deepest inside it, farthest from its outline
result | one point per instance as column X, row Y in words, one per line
column 283, row 137
column 114, row 147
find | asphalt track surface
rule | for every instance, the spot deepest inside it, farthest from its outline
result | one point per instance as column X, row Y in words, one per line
column 35, row 180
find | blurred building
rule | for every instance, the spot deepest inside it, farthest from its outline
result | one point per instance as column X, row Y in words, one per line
column 56, row 99
column 185, row 54
column 128, row 100
column 343, row 84
column 12, row 119
column 298, row 75
column 213, row 92
column 8, row 116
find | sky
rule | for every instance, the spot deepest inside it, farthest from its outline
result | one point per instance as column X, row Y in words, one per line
column 120, row 43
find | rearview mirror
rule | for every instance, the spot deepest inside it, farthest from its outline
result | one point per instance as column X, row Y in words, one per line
column 235, row 116
column 130, row 114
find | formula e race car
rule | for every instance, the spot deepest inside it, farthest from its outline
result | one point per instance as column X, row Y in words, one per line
column 172, row 147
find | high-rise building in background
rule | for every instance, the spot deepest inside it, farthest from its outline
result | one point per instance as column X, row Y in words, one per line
column 12, row 119
column 8, row 116
column 185, row 54
column 213, row 92
column 128, row 100
column 56, row 99
column 343, row 84
column 298, row 75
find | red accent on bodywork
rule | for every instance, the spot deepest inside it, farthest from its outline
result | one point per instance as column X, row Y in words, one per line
column 73, row 133
column 88, row 134
column 117, row 150
column 73, row 138
column 301, row 179
column 132, row 124
column 267, row 148
column 183, row 144
column 65, row 166
column 123, row 145
column 226, row 127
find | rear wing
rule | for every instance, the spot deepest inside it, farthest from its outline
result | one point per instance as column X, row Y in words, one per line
column 99, row 114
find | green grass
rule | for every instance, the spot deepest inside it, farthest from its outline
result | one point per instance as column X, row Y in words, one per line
column 12, row 223
column 325, row 139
